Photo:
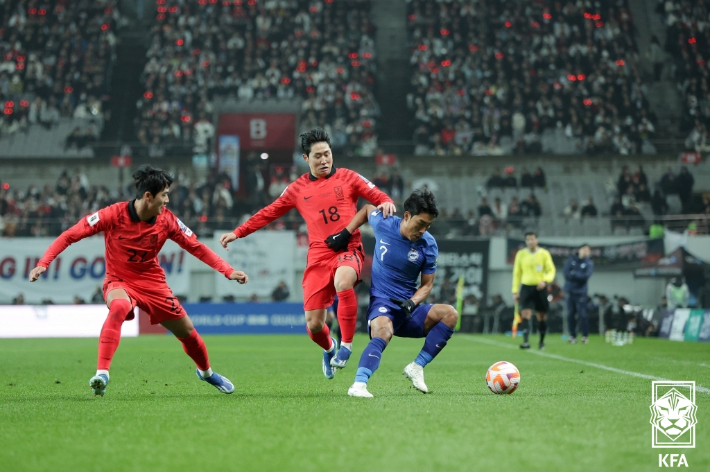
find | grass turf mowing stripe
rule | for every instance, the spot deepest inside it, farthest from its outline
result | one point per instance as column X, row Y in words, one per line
column 698, row 388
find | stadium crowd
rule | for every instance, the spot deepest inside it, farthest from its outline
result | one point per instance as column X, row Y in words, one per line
column 687, row 42
column 494, row 77
column 321, row 52
column 55, row 61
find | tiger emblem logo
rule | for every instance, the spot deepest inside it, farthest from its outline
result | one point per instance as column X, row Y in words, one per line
column 673, row 414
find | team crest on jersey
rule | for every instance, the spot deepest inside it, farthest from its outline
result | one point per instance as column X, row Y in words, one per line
column 153, row 239
column 183, row 228
column 339, row 193
column 382, row 309
column 93, row 219
column 413, row 255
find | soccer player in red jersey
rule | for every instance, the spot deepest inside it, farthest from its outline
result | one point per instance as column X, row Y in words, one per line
column 326, row 197
column 134, row 233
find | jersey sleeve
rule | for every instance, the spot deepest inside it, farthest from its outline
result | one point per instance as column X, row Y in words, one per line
column 186, row 239
column 432, row 254
column 549, row 268
column 266, row 215
column 90, row 225
column 517, row 271
column 369, row 191
column 374, row 218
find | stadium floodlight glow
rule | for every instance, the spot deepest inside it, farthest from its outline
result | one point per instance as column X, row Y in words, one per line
column 264, row 155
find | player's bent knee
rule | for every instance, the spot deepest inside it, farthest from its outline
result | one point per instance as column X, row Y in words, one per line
column 121, row 307
column 315, row 326
column 446, row 314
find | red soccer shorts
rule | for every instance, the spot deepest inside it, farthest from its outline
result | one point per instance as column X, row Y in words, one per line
column 156, row 299
column 319, row 276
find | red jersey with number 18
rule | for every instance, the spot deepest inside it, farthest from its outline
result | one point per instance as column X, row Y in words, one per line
column 327, row 205
column 132, row 245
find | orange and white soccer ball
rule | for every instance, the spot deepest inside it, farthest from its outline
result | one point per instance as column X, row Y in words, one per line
column 502, row 377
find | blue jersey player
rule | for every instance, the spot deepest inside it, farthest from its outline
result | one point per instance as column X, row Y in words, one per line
column 403, row 270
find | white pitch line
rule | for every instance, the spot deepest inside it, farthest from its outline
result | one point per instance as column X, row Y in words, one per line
column 698, row 388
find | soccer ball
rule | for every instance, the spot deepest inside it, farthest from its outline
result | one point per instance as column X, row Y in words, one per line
column 502, row 377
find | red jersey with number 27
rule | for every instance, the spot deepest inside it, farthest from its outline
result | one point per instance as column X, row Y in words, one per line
column 326, row 204
column 132, row 245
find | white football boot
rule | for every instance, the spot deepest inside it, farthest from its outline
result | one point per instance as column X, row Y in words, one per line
column 359, row 389
column 415, row 373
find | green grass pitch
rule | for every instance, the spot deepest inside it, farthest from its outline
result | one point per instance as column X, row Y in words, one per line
column 285, row 416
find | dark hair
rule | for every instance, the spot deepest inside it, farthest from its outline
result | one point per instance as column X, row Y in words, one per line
column 316, row 135
column 151, row 180
column 421, row 201
column 584, row 245
column 531, row 233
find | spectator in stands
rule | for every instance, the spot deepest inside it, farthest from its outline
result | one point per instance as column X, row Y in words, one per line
column 19, row 299
column 509, row 180
column 98, row 297
column 280, row 292
column 396, row 185
column 526, row 179
column 500, row 210
column 573, row 210
column 484, row 208
column 589, row 210
column 617, row 212
column 669, row 183
column 531, row 206
column 685, row 184
column 515, row 213
column 658, row 203
column 539, row 179
column 642, row 195
column 496, row 180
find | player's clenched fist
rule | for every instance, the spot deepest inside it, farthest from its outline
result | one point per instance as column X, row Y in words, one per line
column 239, row 276
column 36, row 272
column 227, row 238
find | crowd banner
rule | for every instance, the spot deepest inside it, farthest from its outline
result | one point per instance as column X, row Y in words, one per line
column 57, row 321
column 665, row 329
column 247, row 318
column 680, row 316
column 456, row 258
column 78, row 271
column 266, row 257
column 643, row 252
column 692, row 326
column 704, row 334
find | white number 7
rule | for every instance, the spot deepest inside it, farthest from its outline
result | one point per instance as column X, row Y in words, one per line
column 384, row 251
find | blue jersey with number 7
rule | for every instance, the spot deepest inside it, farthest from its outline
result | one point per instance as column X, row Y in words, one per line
column 398, row 262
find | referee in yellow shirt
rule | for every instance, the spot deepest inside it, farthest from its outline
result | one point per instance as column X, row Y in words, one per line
column 532, row 271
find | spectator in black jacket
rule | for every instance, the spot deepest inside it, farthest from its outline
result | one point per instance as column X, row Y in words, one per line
column 589, row 209
column 526, row 179
column 539, row 179
column 685, row 187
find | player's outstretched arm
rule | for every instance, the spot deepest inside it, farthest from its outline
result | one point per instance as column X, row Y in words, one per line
column 86, row 227
column 263, row 217
column 339, row 241
column 371, row 193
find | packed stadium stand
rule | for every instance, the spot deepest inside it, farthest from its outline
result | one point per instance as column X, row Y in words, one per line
column 496, row 78
column 56, row 60
column 687, row 43
column 320, row 52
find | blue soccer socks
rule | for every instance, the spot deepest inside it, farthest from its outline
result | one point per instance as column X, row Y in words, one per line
column 370, row 359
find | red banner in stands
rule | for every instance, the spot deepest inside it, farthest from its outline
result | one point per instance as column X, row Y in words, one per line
column 257, row 131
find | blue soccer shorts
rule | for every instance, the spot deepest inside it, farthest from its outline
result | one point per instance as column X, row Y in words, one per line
column 404, row 326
